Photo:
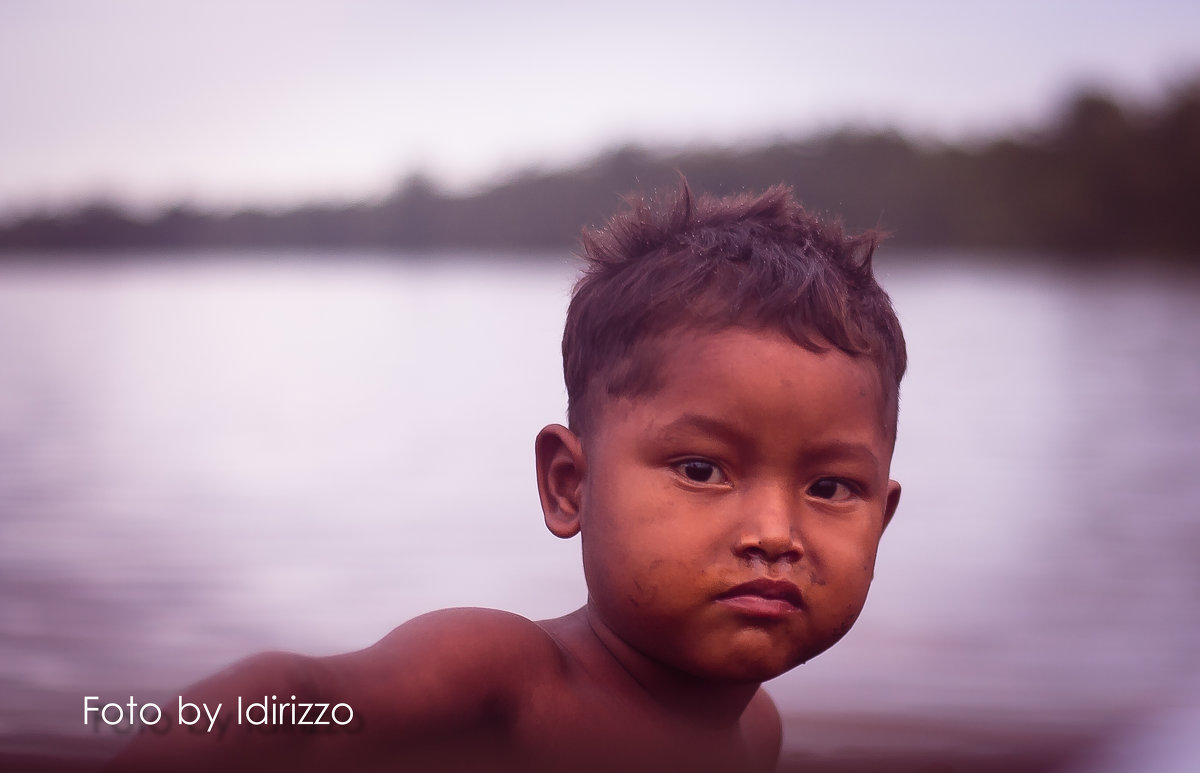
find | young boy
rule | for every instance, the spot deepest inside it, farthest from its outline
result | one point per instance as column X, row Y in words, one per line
column 732, row 370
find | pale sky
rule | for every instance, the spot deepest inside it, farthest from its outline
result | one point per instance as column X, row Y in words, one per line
column 229, row 102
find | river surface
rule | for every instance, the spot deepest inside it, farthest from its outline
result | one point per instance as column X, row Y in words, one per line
column 204, row 456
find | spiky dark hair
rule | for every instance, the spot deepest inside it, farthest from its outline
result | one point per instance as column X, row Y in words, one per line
column 685, row 262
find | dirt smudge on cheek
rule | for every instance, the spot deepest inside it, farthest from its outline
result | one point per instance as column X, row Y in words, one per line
column 646, row 594
column 636, row 599
column 850, row 617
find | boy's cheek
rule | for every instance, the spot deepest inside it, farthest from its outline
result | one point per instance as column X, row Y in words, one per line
column 851, row 545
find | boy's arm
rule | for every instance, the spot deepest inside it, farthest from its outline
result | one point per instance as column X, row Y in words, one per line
column 442, row 679
column 216, row 739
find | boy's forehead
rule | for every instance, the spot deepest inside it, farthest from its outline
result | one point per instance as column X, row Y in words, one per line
column 739, row 354
column 741, row 350
column 689, row 360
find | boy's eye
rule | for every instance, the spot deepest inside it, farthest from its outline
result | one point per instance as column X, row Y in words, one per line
column 700, row 471
column 831, row 489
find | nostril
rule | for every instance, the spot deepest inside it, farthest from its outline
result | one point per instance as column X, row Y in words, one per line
column 765, row 554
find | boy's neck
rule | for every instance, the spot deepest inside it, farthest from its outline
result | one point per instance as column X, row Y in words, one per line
column 608, row 658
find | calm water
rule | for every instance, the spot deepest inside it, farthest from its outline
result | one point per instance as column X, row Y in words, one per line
column 209, row 458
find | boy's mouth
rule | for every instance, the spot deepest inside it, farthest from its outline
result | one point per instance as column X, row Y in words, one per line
column 764, row 598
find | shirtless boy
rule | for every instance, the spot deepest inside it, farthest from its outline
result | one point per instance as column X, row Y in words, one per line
column 732, row 370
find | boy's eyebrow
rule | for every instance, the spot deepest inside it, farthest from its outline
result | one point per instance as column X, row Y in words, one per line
column 706, row 424
column 833, row 450
column 838, row 450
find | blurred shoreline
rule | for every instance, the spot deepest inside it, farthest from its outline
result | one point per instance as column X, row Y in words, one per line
column 1106, row 178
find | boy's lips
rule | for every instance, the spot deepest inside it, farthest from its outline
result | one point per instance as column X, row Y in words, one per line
column 764, row 598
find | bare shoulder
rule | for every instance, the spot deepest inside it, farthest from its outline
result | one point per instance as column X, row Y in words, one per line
column 466, row 631
column 455, row 667
column 468, row 640
column 763, row 729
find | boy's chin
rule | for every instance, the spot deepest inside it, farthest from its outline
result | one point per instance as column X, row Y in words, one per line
column 750, row 672
column 763, row 664
column 756, row 667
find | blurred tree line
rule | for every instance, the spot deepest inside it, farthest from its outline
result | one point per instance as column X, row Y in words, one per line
column 1103, row 178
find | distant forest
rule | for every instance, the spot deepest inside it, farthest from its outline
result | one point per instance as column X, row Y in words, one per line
column 1104, row 178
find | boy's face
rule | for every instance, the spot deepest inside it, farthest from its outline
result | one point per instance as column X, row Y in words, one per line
column 730, row 519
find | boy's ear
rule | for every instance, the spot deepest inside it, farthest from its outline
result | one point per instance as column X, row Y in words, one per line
column 893, row 499
column 560, row 469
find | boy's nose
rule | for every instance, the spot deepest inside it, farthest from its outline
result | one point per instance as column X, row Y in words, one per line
column 770, row 550
column 767, row 532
